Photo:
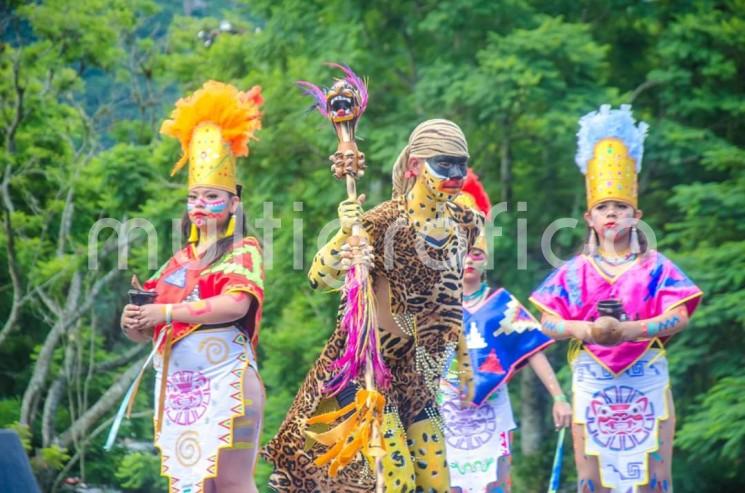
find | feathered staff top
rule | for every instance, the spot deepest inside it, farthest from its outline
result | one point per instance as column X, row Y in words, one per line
column 323, row 97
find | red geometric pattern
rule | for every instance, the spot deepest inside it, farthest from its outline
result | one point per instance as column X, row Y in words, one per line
column 492, row 364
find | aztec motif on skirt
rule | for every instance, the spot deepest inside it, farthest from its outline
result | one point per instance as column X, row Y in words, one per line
column 476, row 437
column 204, row 393
column 621, row 416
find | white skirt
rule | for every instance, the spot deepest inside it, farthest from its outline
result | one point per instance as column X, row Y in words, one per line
column 476, row 437
column 204, row 393
column 621, row 416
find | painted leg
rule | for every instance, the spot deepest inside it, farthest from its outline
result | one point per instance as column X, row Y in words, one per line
column 660, row 462
column 588, row 472
column 398, row 470
column 236, row 466
column 427, row 447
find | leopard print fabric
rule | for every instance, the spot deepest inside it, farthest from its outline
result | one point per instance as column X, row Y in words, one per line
column 433, row 297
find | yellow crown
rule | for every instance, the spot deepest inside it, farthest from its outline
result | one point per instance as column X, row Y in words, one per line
column 214, row 126
column 211, row 162
column 611, row 174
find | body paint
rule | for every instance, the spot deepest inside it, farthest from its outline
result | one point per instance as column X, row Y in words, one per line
column 654, row 329
column 197, row 308
column 237, row 296
column 555, row 327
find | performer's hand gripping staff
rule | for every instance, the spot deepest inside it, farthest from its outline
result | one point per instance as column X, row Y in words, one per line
column 343, row 105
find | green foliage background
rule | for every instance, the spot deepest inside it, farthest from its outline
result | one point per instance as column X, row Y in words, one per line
column 95, row 78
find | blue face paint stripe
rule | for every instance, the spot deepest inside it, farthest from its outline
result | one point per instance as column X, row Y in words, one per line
column 217, row 207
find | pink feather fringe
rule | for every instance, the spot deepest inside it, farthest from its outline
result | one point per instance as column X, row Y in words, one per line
column 360, row 323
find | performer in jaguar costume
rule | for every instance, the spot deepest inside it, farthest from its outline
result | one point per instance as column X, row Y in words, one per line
column 501, row 337
column 418, row 241
column 619, row 302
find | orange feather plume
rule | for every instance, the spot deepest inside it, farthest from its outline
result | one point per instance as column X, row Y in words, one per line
column 235, row 112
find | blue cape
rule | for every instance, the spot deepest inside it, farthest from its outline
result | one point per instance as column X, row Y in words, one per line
column 501, row 335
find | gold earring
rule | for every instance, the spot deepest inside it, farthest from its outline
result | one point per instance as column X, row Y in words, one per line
column 231, row 227
column 193, row 233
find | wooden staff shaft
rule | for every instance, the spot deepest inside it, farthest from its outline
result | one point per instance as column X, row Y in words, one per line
column 348, row 143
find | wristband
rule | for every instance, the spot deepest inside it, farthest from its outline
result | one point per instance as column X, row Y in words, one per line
column 169, row 312
column 561, row 398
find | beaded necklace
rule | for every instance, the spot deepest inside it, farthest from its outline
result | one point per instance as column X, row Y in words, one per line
column 477, row 295
column 615, row 262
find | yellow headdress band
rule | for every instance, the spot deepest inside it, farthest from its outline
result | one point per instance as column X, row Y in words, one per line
column 609, row 152
column 214, row 126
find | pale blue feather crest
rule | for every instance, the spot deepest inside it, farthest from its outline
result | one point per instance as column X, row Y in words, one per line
column 605, row 123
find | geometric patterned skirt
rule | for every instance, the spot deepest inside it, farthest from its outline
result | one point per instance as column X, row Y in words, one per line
column 621, row 416
column 476, row 437
column 204, row 394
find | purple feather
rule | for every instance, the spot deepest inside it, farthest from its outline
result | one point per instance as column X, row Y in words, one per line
column 317, row 94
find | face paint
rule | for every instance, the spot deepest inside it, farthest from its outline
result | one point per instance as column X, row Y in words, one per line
column 445, row 175
column 448, row 167
column 216, row 206
column 204, row 206
column 475, row 263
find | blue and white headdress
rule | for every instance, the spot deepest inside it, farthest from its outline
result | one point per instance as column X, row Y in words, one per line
column 610, row 145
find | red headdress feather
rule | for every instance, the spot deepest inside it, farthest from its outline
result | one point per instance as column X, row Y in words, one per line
column 475, row 189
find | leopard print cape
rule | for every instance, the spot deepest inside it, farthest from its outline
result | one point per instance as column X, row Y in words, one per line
column 431, row 295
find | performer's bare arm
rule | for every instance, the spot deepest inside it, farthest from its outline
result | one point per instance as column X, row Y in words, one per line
column 540, row 365
column 665, row 325
column 562, row 411
column 558, row 328
column 138, row 321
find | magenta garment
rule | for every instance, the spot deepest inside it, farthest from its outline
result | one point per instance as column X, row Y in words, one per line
column 651, row 286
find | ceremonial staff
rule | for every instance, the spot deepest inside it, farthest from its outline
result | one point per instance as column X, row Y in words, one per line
column 343, row 105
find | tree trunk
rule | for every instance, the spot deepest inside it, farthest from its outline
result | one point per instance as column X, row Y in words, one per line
column 532, row 411
column 50, row 409
column 105, row 403
column 43, row 362
column 66, row 317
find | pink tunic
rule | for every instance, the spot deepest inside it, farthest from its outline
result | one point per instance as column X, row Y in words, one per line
column 648, row 288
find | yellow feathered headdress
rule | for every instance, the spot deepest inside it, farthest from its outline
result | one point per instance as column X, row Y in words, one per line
column 214, row 126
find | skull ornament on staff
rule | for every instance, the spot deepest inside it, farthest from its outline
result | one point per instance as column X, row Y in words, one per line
column 343, row 104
